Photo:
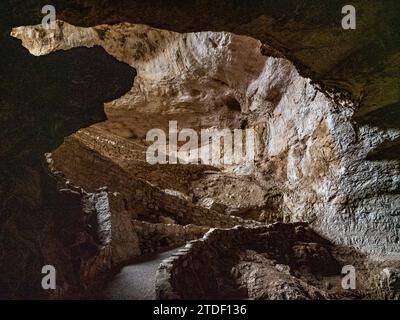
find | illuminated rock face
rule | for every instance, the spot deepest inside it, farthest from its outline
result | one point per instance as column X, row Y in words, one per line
column 307, row 148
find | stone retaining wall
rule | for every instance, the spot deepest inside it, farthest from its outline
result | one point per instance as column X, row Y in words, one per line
column 276, row 261
column 154, row 237
column 176, row 272
column 142, row 200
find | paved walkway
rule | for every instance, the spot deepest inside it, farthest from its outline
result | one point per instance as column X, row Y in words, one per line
column 136, row 281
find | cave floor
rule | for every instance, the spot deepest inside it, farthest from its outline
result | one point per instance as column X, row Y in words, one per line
column 135, row 281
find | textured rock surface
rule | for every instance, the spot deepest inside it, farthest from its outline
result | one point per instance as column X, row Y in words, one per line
column 279, row 262
column 363, row 61
column 71, row 231
column 37, row 110
column 307, row 146
column 157, row 236
column 39, row 223
column 391, row 279
column 41, row 102
column 141, row 194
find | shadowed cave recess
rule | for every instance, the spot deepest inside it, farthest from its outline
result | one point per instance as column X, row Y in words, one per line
column 322, row 192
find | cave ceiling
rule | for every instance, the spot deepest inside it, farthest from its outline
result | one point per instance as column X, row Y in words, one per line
column 364, row 62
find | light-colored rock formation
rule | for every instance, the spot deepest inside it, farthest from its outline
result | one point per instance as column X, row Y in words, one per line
column 307, row 146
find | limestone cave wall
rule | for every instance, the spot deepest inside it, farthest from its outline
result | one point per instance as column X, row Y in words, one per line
column 323, row 103
column 307, row 145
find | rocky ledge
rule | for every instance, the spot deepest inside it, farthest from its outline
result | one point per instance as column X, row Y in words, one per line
column 275, row 262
